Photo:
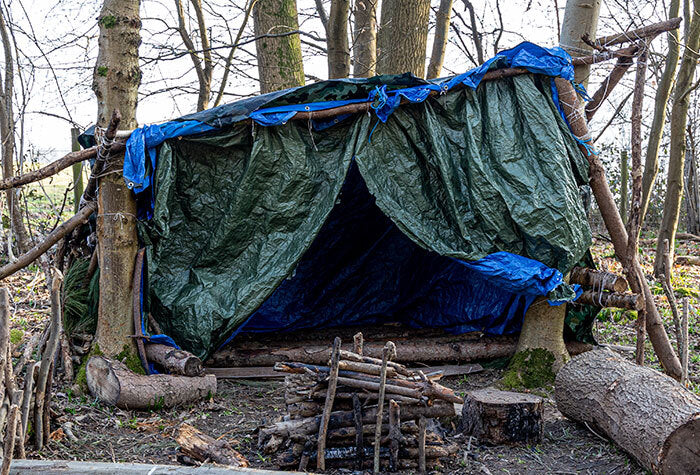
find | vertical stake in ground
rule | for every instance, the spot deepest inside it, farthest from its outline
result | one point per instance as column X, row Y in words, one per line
column 328, row 406
column 388, row 352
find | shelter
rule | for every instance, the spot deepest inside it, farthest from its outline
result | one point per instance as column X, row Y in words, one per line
column 455, row 210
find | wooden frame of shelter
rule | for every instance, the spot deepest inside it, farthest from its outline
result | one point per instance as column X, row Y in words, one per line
column 624, row 238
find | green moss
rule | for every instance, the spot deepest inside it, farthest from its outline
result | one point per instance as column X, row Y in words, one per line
column 102, row 71
column 687, row 292
column 81, row 376
column 529, row 369
column 131, row 360
column 16, row 336
column 108, row 21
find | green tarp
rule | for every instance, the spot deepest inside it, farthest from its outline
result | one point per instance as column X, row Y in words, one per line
column 465, row 174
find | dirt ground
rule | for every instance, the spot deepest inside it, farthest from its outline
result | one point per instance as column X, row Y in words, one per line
column 110, row 434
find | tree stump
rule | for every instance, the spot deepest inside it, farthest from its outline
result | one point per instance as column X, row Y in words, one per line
column 116, row 385
column 648, row 414
column 202, row 447
column 502, row 417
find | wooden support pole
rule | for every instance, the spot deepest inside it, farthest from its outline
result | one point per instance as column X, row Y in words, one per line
column 613, row 222
column 77, row 170
column 359, row 431
column 611, row 299
column 422, row 427
column 639, row 34
column 598, row 279
column 52, row 238
column 328, row 405
column 394, row 434
column 388, row 351
column 623, row 64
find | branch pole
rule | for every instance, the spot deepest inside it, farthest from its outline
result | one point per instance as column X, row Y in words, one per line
column 613, row 222
column 639, row 34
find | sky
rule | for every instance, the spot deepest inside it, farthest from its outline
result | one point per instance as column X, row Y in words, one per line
column 57, row 41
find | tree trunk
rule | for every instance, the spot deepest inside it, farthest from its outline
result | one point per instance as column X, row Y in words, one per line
column 7, row 136
column 676, row 159
column 280, row 65
column 647, row 414
column 580, row 18
column 663, row 92
column 338, row 45
column 442, row 29
column 116, row 81
column 114, row 384
column 613, row 223
column 204, row 448
column 173, row 360
column 403, row 37
column 692, row 193
column 624, row 185
column 364, row 50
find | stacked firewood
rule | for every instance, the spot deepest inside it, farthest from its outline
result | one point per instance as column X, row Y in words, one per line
column 26, row 395
column 360, row 412
column 604, row 289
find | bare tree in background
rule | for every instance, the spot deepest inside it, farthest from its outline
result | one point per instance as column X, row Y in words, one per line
column 337, row 39
column 403, row 37
column 280, row 64
column 7, row 136
column 204, row 66
column 679, row 120
column 364, row 49
column 442, row 29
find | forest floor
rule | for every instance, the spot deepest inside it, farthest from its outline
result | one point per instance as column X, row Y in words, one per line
column 239, row 407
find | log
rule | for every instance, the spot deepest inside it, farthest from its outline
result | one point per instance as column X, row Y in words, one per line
column 502, row 417
column 394, row 434
column 115, row 385
column 54, row 167
column 611, row 299
column 173, row 360
column 569, row 101
column 52, row 238
column 649, row 415
column 638, row 34
column 71, row 467
column 598, row 279
column 618, row 72
column 688, row 261
column 202, row 447
column 463, row 348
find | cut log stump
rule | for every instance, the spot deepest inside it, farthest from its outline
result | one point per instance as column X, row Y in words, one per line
column 174, row 361
column 116, row 385
column 502, row 417
column 649, row 415
column 202, row 447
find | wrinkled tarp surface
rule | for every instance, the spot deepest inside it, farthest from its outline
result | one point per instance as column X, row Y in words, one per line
column 458, row 178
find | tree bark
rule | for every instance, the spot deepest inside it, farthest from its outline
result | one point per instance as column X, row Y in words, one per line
column 663, row 92
column 647, row 414
column 337, row 40
column 403, row 37
column 442, row 29
column 173, row 360
column 280, row 65
column 204, row 72
column 204, row 448
column 364, row 49
column 114, row 384
column 116, row 81
column 580, row 18
column 77, row 170
column 611, row 216
column 676, row 159
column 463, row 348
column 624, row 185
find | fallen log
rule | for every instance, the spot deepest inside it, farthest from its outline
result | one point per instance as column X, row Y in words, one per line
column 611, row 299
column 647, row 414
column 688, row 261
column 503, row 417
column 173, row 360
column 463, row 348
column 598, row 279
column 202, row 447
column 52, row 238
column 71, row 467
column 116, row 385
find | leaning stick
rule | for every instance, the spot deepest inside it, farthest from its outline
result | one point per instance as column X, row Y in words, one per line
column 613, row 222
column 52, row 238
column 387, row 352
column 27, row 397
column 328, row 406
column 617, row 73
column 47, row 359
